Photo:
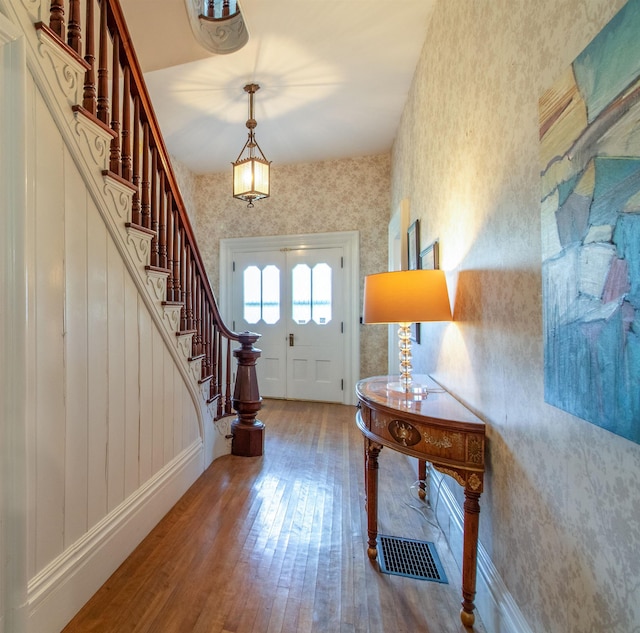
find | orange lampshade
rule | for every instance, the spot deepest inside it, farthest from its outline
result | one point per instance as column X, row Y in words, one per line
column 406, row 296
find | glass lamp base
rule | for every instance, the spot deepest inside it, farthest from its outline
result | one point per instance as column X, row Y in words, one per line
column 413, row 389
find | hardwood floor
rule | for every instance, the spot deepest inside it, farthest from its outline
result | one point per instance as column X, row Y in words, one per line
column 277, row 544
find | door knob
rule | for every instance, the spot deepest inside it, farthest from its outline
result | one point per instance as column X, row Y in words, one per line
column 290, row 340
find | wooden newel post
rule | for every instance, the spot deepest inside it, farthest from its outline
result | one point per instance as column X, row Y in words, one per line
column 248, row 433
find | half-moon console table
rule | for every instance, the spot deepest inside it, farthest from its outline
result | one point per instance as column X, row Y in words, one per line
column 437, row 429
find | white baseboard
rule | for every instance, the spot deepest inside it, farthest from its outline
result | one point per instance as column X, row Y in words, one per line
column 58, row 592
column 494, row 604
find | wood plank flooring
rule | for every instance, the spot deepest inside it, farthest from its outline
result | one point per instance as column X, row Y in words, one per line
column 277, row 544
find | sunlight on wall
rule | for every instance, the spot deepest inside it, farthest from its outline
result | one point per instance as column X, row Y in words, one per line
column 211, row 87
column 454, row 352
column 467, row 156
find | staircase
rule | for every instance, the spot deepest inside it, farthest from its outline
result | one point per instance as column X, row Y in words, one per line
column 115, row 104
column 129, row 365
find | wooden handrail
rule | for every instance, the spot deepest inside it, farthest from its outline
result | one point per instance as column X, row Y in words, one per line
column 141, row 90
column 138, row 155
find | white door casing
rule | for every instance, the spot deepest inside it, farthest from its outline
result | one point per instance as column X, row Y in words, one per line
column 294, row 299
column 346, row 298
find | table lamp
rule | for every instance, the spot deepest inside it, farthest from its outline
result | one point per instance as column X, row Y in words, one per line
column 405, row 297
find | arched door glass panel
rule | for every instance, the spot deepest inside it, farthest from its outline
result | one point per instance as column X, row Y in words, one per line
column 271, row 294
column 252, row 303
column 311, row 294
column 301, row 294
column 261, row 294
column 321, row 294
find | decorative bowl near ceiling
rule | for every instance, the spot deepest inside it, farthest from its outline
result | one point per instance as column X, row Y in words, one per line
column 220, row 29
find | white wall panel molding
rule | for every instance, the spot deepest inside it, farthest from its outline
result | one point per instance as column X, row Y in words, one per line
column 73, row 577
column 494, row 603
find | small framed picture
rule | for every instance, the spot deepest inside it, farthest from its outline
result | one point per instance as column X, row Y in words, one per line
column 428, row 260
column 413, row 263
column 413, row 245
column 429, row 257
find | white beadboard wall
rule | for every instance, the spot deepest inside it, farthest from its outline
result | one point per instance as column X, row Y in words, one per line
column 109, row 411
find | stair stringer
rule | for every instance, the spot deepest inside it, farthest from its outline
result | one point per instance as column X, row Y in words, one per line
column 59, row 75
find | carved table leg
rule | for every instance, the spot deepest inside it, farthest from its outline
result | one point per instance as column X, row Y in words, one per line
column 372, row 450
column 366, row 465
column 469, row 555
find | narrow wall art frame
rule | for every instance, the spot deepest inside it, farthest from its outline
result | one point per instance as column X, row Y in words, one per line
column 413, row 248
column 427, row 260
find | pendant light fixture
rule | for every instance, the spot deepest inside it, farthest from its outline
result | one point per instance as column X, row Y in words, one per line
column 251, row 168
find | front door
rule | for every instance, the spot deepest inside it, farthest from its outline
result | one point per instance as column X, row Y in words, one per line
column 292, row 298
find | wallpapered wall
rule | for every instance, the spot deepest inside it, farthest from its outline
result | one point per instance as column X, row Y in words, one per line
column 306, row 198
column 187, row 184
column 559, row 515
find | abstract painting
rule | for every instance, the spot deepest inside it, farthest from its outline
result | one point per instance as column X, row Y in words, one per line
column 590, row 173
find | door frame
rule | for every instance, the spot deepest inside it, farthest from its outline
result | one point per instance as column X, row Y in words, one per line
column 349, row 241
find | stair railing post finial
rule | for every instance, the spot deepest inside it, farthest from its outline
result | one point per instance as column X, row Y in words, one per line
column 247, row 431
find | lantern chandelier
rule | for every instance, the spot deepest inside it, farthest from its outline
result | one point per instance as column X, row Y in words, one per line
column 251, row 168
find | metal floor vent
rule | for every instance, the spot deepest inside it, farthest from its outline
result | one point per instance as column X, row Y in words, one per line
column 410, row 558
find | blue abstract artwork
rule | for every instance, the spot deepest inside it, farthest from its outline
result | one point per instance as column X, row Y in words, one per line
column 590, row 219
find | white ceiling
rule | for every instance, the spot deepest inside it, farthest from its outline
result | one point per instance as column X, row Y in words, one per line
column 333, row 74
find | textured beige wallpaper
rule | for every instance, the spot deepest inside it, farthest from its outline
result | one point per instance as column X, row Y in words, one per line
column 339, row 195
column 187, row 184
column 560, row 513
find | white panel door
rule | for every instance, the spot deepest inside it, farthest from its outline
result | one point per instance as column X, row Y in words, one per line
column 315, row 325
column 293, row 298
column 257, row 306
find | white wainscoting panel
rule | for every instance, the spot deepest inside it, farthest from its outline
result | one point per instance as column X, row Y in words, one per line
column 97, row 367
column 48, row 468
column 76, row 343
column 113, row 423
column 132, row 379
column 116, row 372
